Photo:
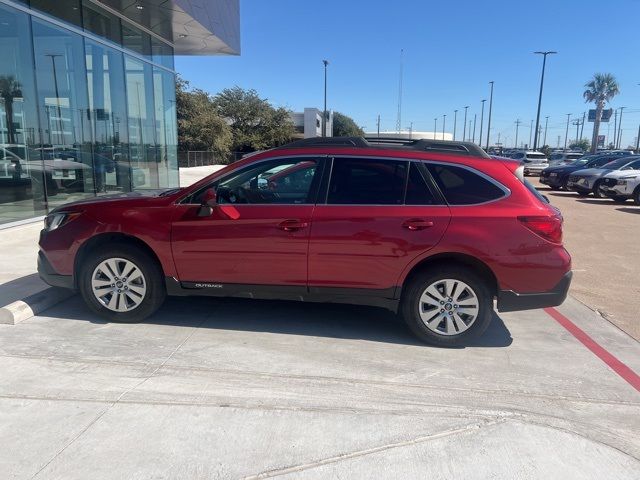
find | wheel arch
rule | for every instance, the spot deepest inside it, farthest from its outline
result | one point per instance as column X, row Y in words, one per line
column 110, row 238
column 449, row 259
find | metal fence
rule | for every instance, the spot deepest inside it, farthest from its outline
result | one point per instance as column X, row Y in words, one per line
column 199, row 158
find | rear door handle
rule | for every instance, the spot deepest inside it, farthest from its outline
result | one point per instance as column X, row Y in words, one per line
column 417, row 224
column 292, row 225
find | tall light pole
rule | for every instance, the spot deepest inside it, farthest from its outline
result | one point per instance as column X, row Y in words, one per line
column 546, row 124
column 544, row 63
column 518, row 122
column 530, row 132
column 455, row 123
column 324, row 115
column 490, row 109
column 620, row 128
column 566, row 134
column 475, row 116
column 435, row 127
column 444, row 122
column 464, row 131
column 481, row 122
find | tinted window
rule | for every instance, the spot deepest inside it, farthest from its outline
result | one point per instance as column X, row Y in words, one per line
column 633, row 166
column 418, row 192
column 615, row 164
column 367, row 182
column 536, row 156
column 461, row 186
column 598, row 162
column 285, row 181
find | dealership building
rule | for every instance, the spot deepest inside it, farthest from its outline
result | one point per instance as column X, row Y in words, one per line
column 87, row 94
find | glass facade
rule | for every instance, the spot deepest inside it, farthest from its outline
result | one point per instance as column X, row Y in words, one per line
column 81, row 114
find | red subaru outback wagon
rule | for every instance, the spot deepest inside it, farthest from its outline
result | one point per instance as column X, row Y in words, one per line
column 432, row 230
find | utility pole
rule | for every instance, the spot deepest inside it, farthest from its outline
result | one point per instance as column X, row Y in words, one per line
column 324, row 115
column 435, row 127
column 378, row 122
column 615, row 128
column 490, row 110
column 530, row 133
column 544, row 63
column 584, row 114
column 455, row 123
column 577, row 124
column 470, row 122
column 546, row 124
column 464, row 132
column 566, row 134
column 481, row 123
column 620, row 128
column 518, row 122
column 475, row 116
column 410, row 129
column 444, row 122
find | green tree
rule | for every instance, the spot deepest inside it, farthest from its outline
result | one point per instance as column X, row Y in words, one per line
column 345, row 126
column 582, row 144
column 255, row 123
column 600, row 90
column 199, row 125
column 10, row 89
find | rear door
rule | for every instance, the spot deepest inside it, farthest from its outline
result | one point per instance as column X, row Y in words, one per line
column 373, row 219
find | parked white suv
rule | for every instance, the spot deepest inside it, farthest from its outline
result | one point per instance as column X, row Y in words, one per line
column 562, row 158
column 533, row 162
column 620, row 185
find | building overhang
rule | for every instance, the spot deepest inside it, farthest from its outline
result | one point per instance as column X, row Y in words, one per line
column 194, row 27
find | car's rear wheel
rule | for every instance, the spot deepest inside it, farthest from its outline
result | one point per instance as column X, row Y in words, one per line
column 447, row 306
column 636, row 196
column 121, row 283
column 598, row 192
column 619, row 199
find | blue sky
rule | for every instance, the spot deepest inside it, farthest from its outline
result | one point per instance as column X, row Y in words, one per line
column 451, row 51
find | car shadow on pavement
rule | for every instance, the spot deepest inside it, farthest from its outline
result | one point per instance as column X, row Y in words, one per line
column 285, row 317
column 629, row 209
column 595, row 201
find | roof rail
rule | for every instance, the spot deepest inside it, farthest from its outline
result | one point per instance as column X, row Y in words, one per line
column 425, row 145
column 328, row 141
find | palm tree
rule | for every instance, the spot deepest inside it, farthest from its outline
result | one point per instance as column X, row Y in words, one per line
column 600, row 90
column 10, row 88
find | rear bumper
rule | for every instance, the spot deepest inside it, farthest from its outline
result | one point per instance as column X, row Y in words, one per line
column 510, row 301
column 50, row 276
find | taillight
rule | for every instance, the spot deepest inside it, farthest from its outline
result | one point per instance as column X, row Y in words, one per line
column 549, row 228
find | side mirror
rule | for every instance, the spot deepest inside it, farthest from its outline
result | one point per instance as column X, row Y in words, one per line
column 209, row 201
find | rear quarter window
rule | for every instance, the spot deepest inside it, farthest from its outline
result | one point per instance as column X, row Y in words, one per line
column 461, row 186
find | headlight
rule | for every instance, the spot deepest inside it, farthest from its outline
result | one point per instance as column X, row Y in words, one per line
column 57, row 219
column 621, row 182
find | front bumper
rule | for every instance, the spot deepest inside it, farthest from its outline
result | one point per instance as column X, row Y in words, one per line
column 534, row 169
column 555, row 181
column 50, row 276
column 510, row 301
column 578, row 186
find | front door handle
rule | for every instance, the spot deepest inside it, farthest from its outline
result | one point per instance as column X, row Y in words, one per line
column 292, row 225
column 417, row 224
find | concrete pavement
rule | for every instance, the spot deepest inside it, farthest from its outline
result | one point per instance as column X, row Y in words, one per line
column 252, row 389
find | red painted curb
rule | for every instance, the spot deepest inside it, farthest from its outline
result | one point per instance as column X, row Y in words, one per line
column 631, row 377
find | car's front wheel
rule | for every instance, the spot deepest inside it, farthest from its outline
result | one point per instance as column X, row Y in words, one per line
column 121, row 283
column 447, row 306
column 598, row 192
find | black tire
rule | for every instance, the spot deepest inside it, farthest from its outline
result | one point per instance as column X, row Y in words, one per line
column 151, row 271
column 619, row 199
column 564, row 185
column 636, row 196
column 583, row 194
column 411, row 304
column 555, row 189
column 597, row 193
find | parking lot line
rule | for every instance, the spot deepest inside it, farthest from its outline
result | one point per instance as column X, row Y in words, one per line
column 624, row 371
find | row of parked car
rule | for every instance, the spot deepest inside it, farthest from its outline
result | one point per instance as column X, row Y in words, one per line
column 612, row 174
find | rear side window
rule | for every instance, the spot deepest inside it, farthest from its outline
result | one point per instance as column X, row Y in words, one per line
column 356, row 181
column 461, row 186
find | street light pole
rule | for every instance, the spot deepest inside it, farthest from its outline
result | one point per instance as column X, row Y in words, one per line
column 620, row 128
column 566, row 134
column 464, row 131
column 444, row 122
column 546, row 124
column 455, row 123
column 517, row 127
column 490, row 109
column 481, row 122
column 475, row 116
column 544, row 63
column 530, row 132
column 324, row 115
column 435, row 127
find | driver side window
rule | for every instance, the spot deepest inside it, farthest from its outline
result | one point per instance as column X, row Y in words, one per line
column 288, row 181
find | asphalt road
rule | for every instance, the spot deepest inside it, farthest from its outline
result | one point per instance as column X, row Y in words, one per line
column 603, row 239
column 225, row 389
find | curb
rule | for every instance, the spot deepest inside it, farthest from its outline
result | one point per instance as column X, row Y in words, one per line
column 26, row 308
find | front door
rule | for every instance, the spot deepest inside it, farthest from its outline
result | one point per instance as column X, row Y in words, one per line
column 259, row 232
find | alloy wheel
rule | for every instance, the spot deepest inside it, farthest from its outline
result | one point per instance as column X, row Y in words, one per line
column 448, row 307
column 118, row 284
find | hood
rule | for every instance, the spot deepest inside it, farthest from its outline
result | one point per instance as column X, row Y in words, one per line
column 137, row 197
column 591, row 172
column 623, row 173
